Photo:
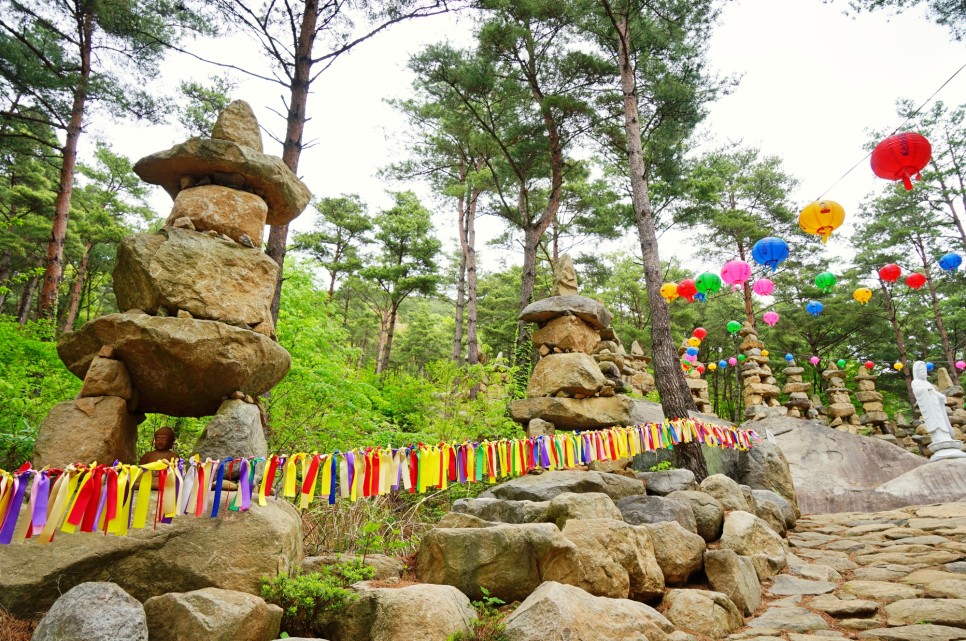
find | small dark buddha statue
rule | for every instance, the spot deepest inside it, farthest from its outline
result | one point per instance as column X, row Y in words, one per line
column 163, row 442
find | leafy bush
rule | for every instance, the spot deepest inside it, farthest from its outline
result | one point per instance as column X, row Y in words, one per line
column 489, row 625
column 309, row 601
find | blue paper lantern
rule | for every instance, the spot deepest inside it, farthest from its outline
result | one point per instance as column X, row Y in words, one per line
column 789, row 358
column 722, row 363
column 930, row 367
column 951, row 262
column 814, row 308
column 770, row 251
column 700, row 296
column 692, row 351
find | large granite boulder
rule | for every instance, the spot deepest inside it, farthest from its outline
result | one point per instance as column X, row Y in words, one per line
column 590, row 505
column 544, row 487
column 410, row 613
column 212, row 614
column 232, row 552
column 503, row 511
column 764, row 467
column 85, row 430
column 236, row 214
column 508, row 560
column 575, row 615
column 727, row 491
column 179, row 366
column 735, row 577
column 642, row 509
column 680, row 553
column 93, row 612
column 197, row 158
column 237, row 123
column 707, row 510
column 709, row 613
column 570, row 374
column 835, row 471
column 568, row 334
column 161, row 272
column 575, row 413
column 586, row 309
column 784, row 509
column 664, row 482
column 616, row 559
column 750, row 536
column 236, row 430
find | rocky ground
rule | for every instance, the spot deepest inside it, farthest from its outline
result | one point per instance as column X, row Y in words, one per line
column 890, row 576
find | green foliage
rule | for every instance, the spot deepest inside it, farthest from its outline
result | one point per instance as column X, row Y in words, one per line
column 661, row 467
column 202, row 104
column 308, row 600
column 32, row 380
column 488, row 626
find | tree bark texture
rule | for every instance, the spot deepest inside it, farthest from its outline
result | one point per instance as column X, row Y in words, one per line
column 294, row 130
column 676, row 400
column 54, row 262
column 77, row 291
column 468, row 242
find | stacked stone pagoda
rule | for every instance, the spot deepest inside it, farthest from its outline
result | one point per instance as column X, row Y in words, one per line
column 760, row 388
column 696, row 384
column 798, row 404
column 840, row 410
column 581, row 379
column 873, row 412
column 194, row 336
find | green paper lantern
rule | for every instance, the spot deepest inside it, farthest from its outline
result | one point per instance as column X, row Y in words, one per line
column 741, row 357
column 841, row 363
column 708, row 283
column 733, row 326
column 825, row 281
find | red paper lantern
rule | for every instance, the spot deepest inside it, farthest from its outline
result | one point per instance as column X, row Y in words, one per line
column 687, row 290
column 890, row 273
column 869, row 365
column 699, row 333
column 900, row 157
column 700, row 369
column 916, row 280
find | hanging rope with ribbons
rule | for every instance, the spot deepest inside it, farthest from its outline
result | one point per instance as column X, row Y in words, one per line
column 115, row 499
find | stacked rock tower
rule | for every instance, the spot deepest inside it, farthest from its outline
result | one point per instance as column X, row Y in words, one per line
column 194, row 336
column 760, row 388
column 840, row 410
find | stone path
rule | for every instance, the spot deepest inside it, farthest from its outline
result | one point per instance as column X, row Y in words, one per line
column 888, row 576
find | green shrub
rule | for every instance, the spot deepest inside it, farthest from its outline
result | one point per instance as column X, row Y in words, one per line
column 489, row 625
column 308, row 601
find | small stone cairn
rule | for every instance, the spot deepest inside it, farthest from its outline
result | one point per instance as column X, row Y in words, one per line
column 584, row 373
column 195, row 335
column 798, row 403
column 697, row 385
column 873, row 414
column 760, row 389
column 840, row 410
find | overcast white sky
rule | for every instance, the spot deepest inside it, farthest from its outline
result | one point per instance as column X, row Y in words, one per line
column 813, row 81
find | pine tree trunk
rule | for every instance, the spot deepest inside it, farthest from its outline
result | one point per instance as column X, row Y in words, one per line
column 460, row 282
column 531, row 239
column 391, row 329
column 26, row 300
column 54, row 262
column 900, row 343
column 941, row 327
column 4, row 277
column 77, row 290
column 295, row 127
column 383, row 340
column 472, row 341
column 746, row 290
column 676, row 400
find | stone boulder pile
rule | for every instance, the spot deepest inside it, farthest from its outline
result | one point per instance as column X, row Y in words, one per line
column 760, row 389
column 840, row 409
column 584, row 373
column 567, row 534
column 194, row 336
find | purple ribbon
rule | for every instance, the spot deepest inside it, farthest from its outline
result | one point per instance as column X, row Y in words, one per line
column 246, row 487
column 40, row 493
column 351, row 459
column 13, row 510
column 216, row 501
column 461, row 463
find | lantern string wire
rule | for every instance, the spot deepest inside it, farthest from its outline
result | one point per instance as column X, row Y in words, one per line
column 909, row 117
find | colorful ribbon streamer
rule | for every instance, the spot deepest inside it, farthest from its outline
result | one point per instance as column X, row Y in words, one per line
column 114, row 499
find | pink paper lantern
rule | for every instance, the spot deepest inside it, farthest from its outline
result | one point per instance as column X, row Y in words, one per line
column 771, row 318
column 690, row 358
column 960, row 365
column 763, row 287
column 732, row 361
column 735, row 273
column 814, row 360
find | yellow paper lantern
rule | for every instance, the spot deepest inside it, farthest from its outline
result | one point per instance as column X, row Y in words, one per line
column 694, row 341
column 669, row 291
column 897, row 366
column 764, row 353
column 821, row 218
column 862, row 294
column 712, row 366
